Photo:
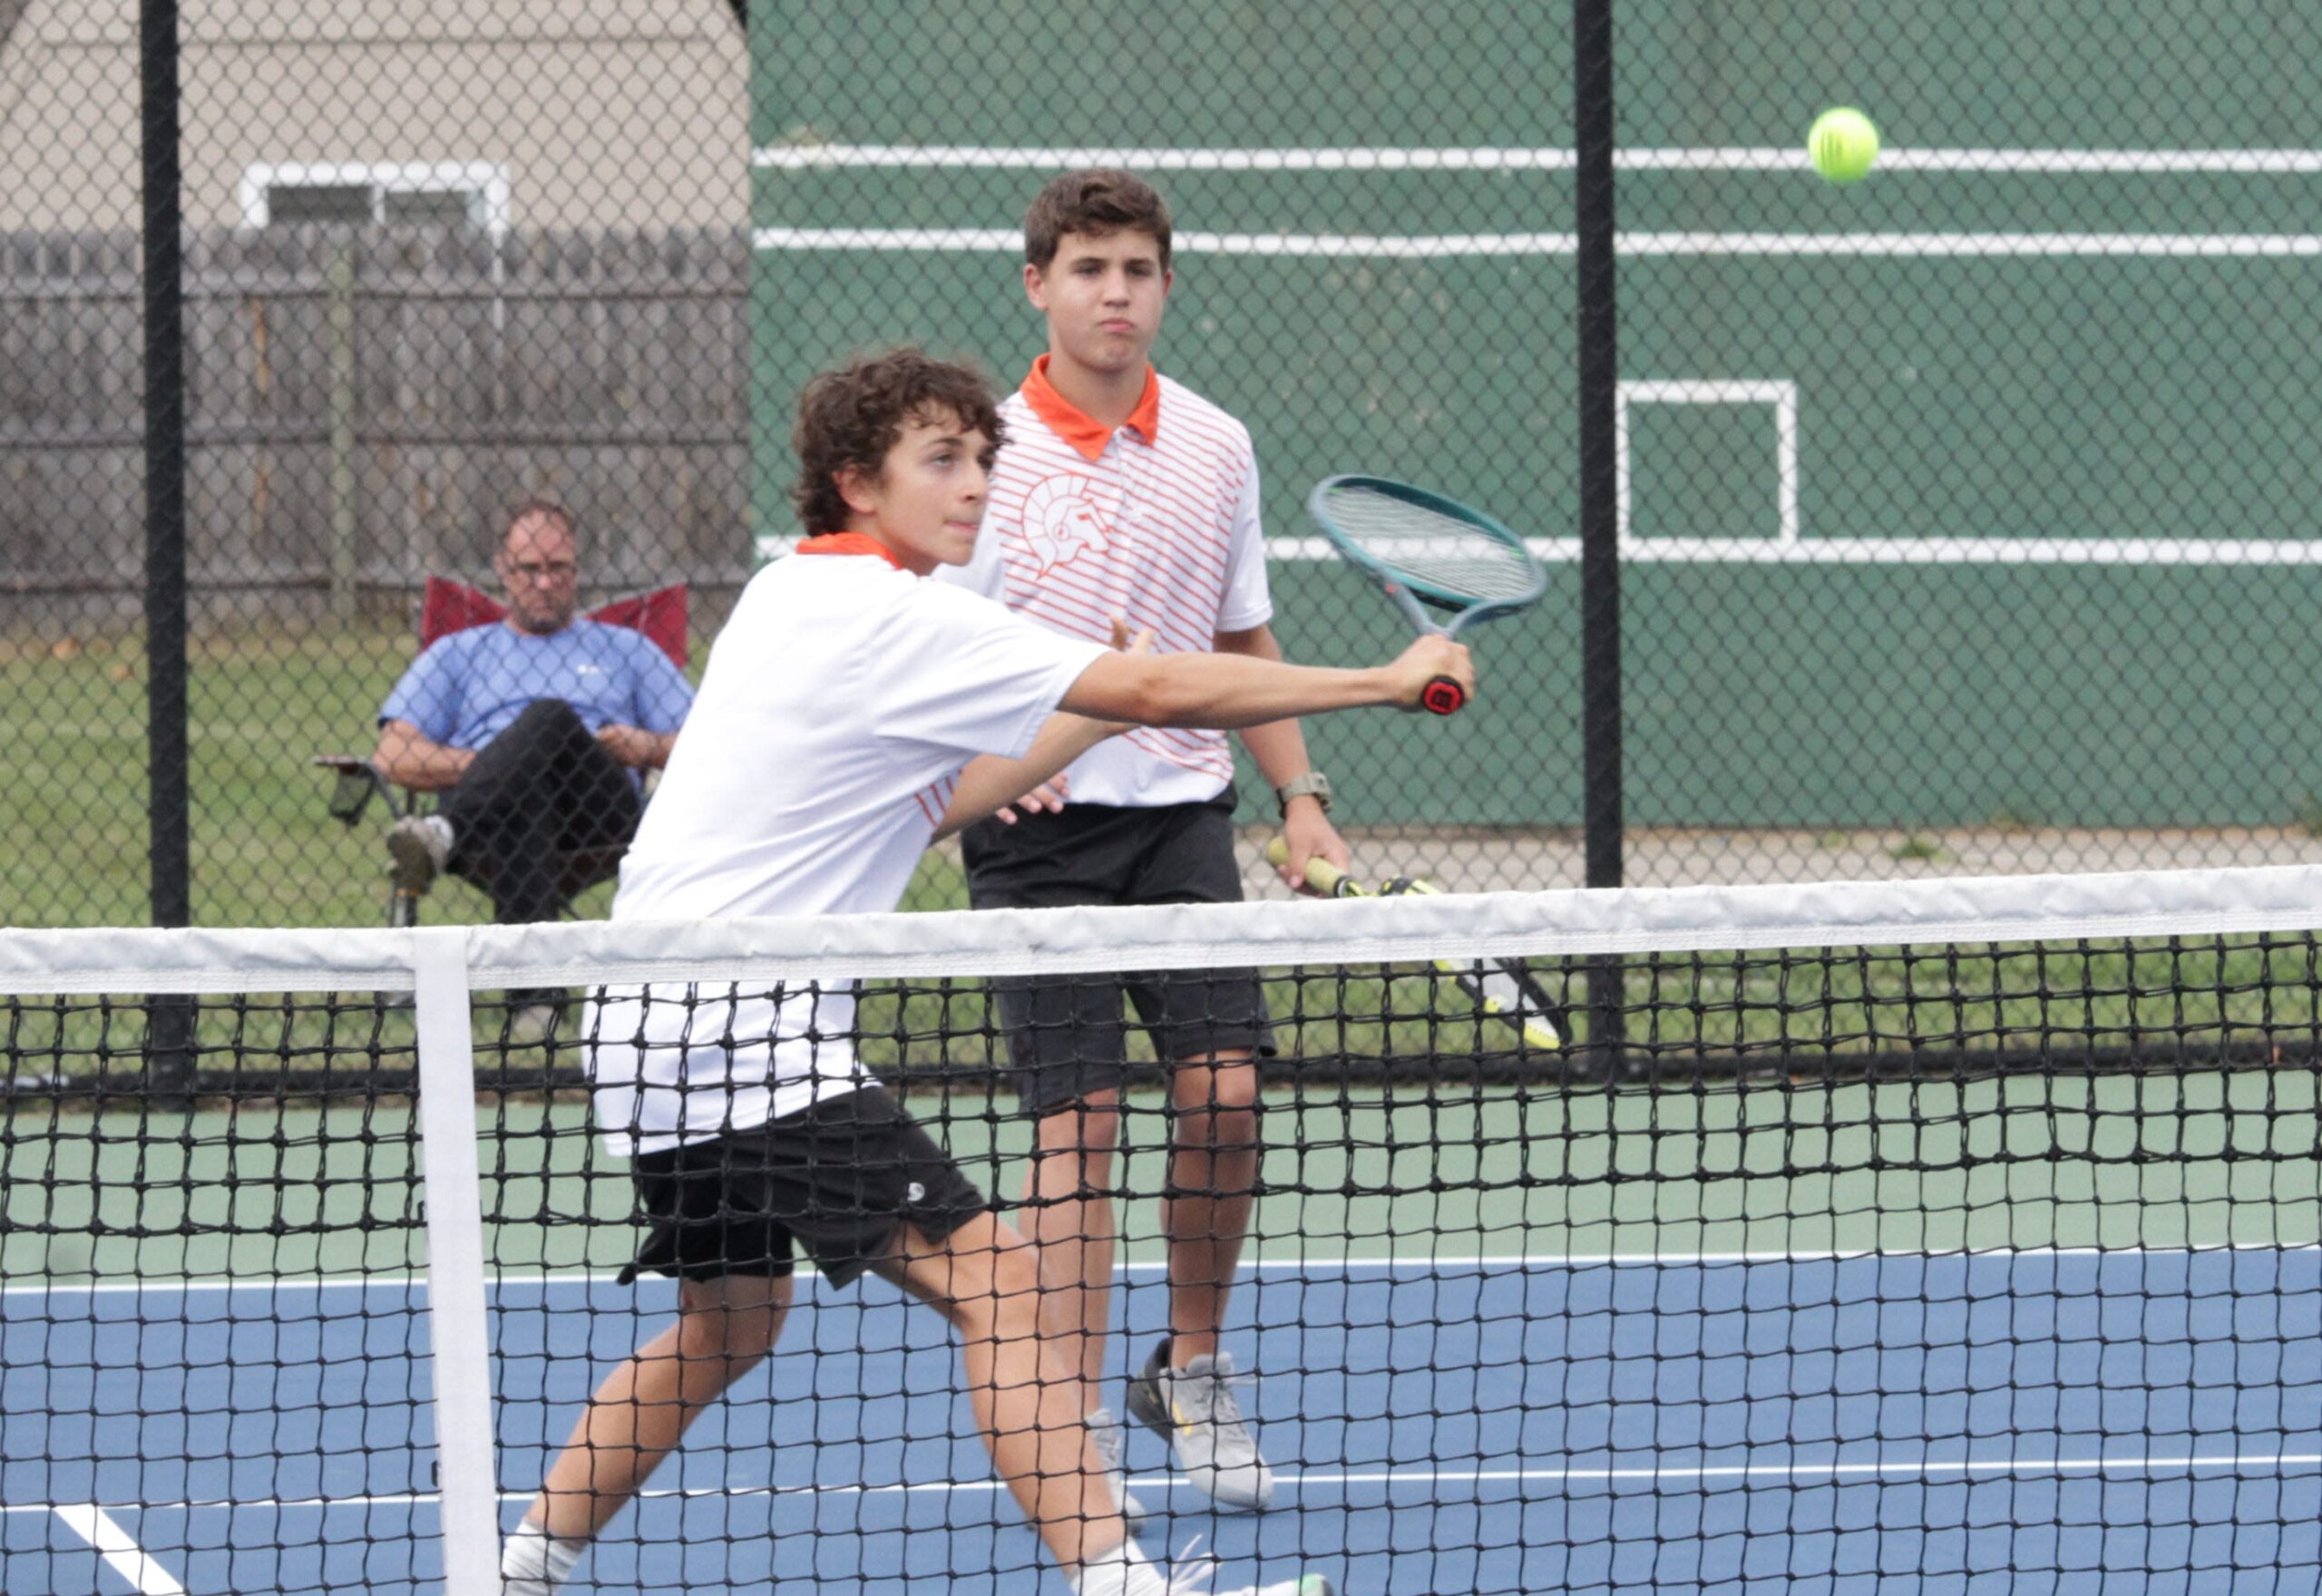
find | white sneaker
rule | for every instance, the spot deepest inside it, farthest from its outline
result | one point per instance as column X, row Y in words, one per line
column 421, row 846
column 1107, row 1435
column 1195, row 1409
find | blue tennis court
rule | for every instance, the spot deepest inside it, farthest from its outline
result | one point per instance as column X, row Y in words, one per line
column 2121, row 1421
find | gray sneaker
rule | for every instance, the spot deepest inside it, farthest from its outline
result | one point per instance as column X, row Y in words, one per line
column 421, row 846
column 1104, row 1433
column 1195, row 1409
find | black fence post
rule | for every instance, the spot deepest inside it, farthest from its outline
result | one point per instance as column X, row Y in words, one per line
column 1600, row 555
column 168, row 1064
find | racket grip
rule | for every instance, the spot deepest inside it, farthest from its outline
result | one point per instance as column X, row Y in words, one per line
column 1443, row 697
column 1321, row 873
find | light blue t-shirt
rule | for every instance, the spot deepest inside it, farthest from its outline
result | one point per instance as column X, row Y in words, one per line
column 470, row 687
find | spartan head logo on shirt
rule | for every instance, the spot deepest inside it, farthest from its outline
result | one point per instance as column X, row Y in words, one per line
column 1061, row 518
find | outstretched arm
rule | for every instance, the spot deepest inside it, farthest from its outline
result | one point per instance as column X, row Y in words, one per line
column 1230, row 691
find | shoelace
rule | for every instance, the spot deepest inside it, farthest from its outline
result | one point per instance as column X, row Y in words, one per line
column 1222, row 1404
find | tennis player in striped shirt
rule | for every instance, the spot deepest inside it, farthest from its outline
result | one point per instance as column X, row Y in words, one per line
column 1122, row 494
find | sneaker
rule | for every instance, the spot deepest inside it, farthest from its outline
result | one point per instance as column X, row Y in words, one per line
column 1195, row 1409
column 421, row 846
column 1106, row 1433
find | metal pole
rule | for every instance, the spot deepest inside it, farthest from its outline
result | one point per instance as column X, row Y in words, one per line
column 1600, row 555
column 170, row 1060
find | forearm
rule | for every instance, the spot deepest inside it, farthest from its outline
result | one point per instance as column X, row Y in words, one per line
column 1279, row 746
column 1229, row 691
column 989, row 782
column 410, row 759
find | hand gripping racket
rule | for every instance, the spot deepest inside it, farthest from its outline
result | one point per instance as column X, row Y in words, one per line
column 1424, row 550
column 1500, row 987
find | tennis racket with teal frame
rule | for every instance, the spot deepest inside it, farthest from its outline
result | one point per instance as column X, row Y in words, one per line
column 1425, row 552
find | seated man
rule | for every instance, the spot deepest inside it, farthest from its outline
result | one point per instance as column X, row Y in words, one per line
column 535, row 729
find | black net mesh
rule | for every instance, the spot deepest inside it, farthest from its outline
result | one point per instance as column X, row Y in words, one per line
column 1973, row 1265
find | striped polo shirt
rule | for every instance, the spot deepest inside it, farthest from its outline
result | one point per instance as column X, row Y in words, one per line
column 1157, row 520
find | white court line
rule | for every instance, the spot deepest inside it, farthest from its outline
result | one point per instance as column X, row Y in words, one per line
column 1451, row 246
column 122, row 1554
column 1368, row 159
column 1466, row 1261
column 1821, row 1473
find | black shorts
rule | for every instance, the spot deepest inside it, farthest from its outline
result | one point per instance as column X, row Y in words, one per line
column 1067, row 1035
column 834, row 1179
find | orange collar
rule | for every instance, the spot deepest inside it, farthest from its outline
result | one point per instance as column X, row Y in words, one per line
column 1070, row 422
column 849, row 543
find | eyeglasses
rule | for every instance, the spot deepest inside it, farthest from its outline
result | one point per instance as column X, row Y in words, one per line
column 533, row 571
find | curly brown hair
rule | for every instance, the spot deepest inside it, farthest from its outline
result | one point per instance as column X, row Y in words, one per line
column 1092, row 202
column 853, row 416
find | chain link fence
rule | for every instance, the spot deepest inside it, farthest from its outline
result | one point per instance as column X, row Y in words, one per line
column 1962, row 513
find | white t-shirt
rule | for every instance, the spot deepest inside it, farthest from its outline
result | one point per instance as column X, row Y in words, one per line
column 840, row 703
column 1155, row 520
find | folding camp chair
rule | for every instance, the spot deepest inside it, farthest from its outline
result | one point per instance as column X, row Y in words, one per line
column 446, row 607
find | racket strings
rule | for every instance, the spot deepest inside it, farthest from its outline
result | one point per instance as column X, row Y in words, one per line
column 1429, row 548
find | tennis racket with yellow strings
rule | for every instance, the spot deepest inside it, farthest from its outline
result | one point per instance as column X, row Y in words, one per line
column 1501, row 988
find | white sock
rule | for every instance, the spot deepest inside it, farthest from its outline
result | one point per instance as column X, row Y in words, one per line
column 531, row 1565
column 1122, row 1572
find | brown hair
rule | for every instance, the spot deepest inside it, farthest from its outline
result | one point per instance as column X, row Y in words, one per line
column 853, row 416
column 539, row 504
column 1094, row 202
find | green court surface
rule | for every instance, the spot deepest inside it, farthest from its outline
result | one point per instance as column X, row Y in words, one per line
column 2196, row 1160
column 1977, row 490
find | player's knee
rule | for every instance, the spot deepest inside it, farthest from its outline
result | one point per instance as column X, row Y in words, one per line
column 1216, row 1105
column 1016, row 1284
column 1005, row 1304
column 1087, row 1125
column 1214, row 1088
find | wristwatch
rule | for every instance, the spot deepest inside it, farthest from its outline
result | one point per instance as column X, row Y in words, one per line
column 1313, row 785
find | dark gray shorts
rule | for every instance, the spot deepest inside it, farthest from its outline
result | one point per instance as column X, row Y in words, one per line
column 1067, row 1035
column 834, row 1179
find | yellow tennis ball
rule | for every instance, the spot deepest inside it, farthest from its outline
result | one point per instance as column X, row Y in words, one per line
column 1842, row 143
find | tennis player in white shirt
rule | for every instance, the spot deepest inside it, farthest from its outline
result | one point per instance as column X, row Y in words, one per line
column 852, row 713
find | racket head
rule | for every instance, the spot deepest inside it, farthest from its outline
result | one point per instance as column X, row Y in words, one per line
column 1456, row 559
column 1504, row 988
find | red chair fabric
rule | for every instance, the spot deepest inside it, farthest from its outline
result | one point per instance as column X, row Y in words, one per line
column 446, row 607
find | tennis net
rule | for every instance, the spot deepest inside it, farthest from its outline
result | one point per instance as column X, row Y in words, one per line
column 1949, row 1235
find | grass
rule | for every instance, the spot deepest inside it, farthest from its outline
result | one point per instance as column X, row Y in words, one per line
column 265, row 851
